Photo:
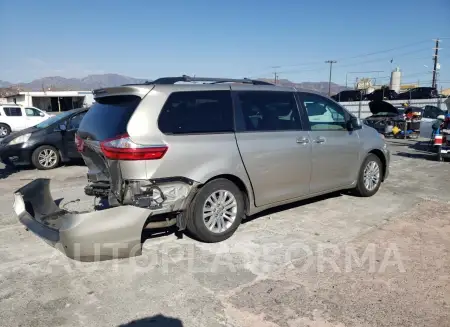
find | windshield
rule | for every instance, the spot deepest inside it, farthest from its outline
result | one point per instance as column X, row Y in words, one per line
column 46, row 123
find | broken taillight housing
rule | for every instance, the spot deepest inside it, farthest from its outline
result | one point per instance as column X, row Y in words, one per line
column 123, row 148
column 79, row 143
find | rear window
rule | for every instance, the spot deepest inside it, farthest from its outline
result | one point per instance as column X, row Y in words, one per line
column 197, row 112
column 108, row 117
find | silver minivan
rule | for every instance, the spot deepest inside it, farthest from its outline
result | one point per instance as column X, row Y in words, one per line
column 203, row 157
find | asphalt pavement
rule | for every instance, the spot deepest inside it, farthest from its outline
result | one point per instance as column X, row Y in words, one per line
column 334, row 261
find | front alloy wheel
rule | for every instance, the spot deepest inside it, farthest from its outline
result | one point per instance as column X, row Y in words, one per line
column 45, row 157
column 370, row 176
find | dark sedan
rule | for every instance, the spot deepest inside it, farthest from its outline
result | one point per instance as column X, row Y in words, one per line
column 45, row 145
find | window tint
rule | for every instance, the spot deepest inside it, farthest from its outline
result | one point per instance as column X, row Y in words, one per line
column 197, row 112
column 432, row 112
column 259, row 111
column 75, row 121
column 32, row 112
column 323, row 114
column 12, row 111
column 108, row 117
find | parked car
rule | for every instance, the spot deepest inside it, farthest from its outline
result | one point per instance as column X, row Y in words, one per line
column 382, row 94
column 383, row 112
column 419, row 93
column 46, row 144
column 203, row 157
column 349, row 95
column 430, row 115
column 14, row 118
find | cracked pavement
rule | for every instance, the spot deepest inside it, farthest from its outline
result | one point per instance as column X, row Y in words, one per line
column 334, row 261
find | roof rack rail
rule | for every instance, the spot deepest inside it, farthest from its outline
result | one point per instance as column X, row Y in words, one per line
column 185, row 78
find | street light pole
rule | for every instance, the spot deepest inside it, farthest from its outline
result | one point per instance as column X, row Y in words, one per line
column 331, row 62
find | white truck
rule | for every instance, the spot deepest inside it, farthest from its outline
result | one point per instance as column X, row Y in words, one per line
column 14, row 118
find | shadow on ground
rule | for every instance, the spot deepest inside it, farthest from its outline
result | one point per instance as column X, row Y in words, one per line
column 293, row 205
column 418, row 155
column 7, row 171
column 155, row 321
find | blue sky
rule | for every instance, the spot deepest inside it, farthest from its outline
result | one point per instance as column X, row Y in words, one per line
column 148, row 38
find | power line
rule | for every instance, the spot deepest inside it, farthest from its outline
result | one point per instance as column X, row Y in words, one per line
column 403, row 55
column 356, row 56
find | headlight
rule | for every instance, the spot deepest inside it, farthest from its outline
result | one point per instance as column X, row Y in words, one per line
column 20, row 139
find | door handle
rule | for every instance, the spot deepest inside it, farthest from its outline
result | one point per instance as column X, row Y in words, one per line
column 303, row 140
column 320, row 140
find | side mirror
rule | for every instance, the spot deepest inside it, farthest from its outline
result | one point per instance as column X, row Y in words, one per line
column 62, row 127
column 354, row 123
column 41, row 114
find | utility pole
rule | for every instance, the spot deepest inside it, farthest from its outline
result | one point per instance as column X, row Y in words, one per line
column 331, row 62
column 275, row 74
column 435, row 65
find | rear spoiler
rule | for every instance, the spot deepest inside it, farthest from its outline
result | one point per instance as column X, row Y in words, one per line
column 138, row 90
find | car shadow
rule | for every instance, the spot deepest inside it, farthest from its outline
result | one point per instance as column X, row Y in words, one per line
column 148, row 234
column 154, row 321
column 74, row 162
column 418, row 155
column 293, row 205
column 173, row 230
column 7, row 171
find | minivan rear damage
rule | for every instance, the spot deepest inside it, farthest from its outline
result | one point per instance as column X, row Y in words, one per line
column 108, row 233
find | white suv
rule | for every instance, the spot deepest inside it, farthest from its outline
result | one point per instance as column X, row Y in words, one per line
column 14, row 118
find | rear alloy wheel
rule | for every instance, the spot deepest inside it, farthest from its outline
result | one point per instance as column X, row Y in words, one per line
column 4, row 130
column 217, row 211
column 45, row 157
column 370, row 176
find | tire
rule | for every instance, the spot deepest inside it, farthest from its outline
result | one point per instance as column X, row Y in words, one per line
column 197, row 225
column 5, row 130
column 42, row 164
column 361, row 189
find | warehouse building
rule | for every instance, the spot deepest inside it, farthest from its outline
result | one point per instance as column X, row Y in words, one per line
column 53, row 101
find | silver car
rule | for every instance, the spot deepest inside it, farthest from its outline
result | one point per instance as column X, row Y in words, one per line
column 203, row 157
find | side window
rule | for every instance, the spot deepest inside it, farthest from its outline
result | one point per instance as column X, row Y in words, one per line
column 75, row 121
column 323, row 114
column 259, row 111
column 12, row 111
column 31, row 112
column 432, row 112
column 197, row 112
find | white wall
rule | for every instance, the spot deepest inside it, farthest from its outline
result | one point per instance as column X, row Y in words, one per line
column 362, row 110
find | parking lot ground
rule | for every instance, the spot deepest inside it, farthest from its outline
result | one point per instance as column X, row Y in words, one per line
column 335, row 261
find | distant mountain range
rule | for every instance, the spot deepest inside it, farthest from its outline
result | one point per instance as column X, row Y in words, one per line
column 57, row 83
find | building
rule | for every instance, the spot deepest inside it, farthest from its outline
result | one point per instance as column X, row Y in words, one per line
column 53, row 101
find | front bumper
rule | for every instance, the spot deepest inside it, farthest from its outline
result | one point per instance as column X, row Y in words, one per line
column 93, row 236
column 387, row 155
column 15, row 154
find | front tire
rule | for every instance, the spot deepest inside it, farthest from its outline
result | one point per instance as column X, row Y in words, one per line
column 370, row 176
column 45, row 157
column 216, row 211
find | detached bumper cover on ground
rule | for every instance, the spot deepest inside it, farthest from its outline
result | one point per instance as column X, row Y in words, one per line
column 97, row 235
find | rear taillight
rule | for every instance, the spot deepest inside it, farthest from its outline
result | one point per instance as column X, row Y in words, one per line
column 79, row 143
column 123, row 148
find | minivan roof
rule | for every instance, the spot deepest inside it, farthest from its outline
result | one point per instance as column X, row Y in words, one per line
column 193, row 83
